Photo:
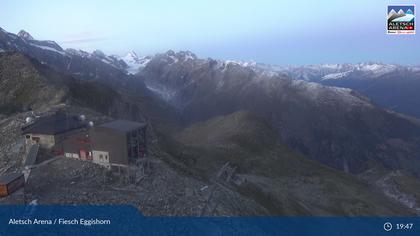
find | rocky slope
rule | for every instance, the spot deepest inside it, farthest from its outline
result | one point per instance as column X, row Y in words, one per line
column 23, row 87
column 276, row 177
column 26, row 84
column 397, row 90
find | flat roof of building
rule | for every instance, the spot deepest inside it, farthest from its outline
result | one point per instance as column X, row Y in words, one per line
column 54, row 124
column 8, row 178
column 123, row 125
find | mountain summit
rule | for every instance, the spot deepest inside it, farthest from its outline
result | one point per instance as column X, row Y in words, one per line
column 25, row 35
column 134, row 62
column 131, row 57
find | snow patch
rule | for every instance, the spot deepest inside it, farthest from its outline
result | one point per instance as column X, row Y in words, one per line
column 48, row 48
column 336, row 75
column 25, row 35
column 162, row 92
column 189, row 57
column 13, row 36
column 241, row 63
column 77, row 52
column 331, row 66
column 130, row 58
column 134, row 62
column 327, row 94
column 376, row 69
column 107, row 61
column 415, row 69
column 174, row 59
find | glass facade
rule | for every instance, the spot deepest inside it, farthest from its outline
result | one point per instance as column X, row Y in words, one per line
column 136, row 144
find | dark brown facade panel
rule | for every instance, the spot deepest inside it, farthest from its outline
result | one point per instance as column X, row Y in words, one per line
column 111, row 141
column 10, row 183
column 3, row 191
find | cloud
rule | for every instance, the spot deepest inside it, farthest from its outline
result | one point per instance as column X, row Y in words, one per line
column 82, row 37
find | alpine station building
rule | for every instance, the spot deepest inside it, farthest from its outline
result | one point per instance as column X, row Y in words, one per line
column 47, row 131
column 115, row 143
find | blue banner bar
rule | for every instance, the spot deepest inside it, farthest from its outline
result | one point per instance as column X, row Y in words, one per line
column 127, row 220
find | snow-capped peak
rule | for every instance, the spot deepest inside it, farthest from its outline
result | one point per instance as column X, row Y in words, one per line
column 241, row 63
column 336, row 75
column 401, row 12
column 375, row 67
column 134, row 62
column 25, row 35
column 131, row 57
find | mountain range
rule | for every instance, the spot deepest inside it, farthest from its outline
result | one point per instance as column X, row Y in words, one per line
column 304, row 140
column 389, row 86
column 320, row 121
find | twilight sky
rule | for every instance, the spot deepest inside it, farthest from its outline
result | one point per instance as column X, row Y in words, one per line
column 270, row 31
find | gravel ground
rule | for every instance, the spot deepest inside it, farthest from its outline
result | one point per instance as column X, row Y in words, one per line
column 162, row 192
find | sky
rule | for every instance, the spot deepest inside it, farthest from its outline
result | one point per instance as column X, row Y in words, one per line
column 268, row 31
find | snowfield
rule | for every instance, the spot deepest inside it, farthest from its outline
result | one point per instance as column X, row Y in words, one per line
column 48, row 48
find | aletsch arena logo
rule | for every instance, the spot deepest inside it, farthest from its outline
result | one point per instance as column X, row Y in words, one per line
column 401, row 19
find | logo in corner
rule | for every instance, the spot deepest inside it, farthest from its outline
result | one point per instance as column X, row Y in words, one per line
column 401, row 19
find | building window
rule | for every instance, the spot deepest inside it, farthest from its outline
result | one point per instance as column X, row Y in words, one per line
column 101, row 157
column 28, row 136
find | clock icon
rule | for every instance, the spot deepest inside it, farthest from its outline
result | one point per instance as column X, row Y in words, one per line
column 387, row 226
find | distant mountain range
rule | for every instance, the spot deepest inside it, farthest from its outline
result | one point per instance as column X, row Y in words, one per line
column 390, row 86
